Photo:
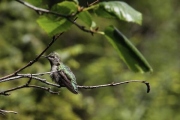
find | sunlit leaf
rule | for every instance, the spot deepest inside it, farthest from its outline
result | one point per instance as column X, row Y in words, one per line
column 55, row 24
column 53, row 27
column 127, row 51
column 119, row 10
column 65, row 8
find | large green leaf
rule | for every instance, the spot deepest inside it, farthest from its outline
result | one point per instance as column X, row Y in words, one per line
column 127, row 51
column 53, row 27
column 119, row 10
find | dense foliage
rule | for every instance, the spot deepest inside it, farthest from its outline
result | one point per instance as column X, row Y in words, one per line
column 94, row 61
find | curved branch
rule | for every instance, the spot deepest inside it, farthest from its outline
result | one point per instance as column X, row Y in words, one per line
column 30, row 76
column 116, row 84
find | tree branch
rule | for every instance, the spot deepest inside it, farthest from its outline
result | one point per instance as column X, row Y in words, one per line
column 30, row 76
column 116, row 84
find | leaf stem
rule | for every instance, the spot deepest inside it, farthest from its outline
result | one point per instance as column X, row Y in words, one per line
column 91, row 7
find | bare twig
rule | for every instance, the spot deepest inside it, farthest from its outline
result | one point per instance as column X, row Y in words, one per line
column 33, row 76
column 30, row 76
column 39, row 79
column 10, row 78
column 116, row 84
column 3, row 112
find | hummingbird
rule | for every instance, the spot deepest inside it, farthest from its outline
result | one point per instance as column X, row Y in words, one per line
column 62, row 74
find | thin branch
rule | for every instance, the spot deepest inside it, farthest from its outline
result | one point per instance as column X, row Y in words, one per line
column 16, row 88
column 3, row 112
column 10, row 78
column 35, row 60
column 116, row 84
column 30, row 76
column 37, row 74
column 92, row 3
column 34, row 76
column 39, row 79
column 48, row 89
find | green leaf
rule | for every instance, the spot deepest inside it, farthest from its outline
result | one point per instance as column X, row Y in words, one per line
column 65, row 7
column 36, row 3
column 39, row 3
column 85, row 16
column 127, row 51
column 52, row 26
column 119, row 10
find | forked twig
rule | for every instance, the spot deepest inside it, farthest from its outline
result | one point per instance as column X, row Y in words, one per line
column 5, row 92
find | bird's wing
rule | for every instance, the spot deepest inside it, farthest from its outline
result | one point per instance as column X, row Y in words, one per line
column 69, row 79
